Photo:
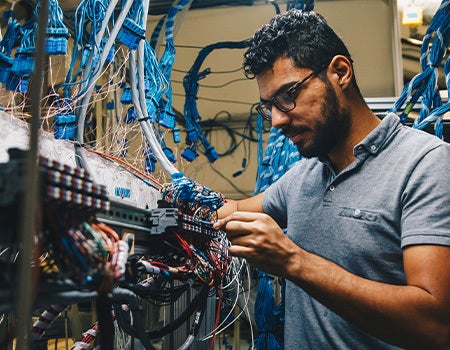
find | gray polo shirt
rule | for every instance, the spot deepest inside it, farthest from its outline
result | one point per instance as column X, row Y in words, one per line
column 396, row 193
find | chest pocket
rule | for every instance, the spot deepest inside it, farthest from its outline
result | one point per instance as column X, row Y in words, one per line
column 358, row 214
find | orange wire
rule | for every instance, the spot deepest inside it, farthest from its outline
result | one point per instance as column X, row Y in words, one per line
column 106, row 238
column 108, row 229
column 148, row 177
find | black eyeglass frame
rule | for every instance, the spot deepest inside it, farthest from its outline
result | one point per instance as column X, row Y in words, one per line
column 290, row 93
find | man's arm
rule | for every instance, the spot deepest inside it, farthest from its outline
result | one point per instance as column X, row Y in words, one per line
column 416, row 315
column 252, row 204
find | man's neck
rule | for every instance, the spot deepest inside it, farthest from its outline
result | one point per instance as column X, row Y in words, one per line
column 363, row 123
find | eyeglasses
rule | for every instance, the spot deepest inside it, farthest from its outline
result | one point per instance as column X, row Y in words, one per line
column 284, row 100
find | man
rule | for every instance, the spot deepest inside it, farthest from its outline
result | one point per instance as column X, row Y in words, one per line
column 367, row 211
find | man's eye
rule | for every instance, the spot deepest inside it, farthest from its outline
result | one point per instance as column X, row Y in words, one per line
column 284, row 98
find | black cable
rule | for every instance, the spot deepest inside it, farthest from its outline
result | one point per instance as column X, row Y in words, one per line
column 200, row 297
column 212, row 72
column 230, row 182
column 105, row 321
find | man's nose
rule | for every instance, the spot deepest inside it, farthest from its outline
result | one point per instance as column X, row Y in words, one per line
column 279, row 118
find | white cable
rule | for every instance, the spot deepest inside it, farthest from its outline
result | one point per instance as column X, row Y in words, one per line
column 91, row 84
column 146, row 126
column 218, row 329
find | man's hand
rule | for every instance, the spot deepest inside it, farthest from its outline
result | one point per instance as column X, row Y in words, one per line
column 259, row 239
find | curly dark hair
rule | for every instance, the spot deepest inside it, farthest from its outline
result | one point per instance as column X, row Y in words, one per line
column 304, row 36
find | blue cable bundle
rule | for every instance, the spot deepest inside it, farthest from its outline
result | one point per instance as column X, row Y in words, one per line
column 57, row 33
column 191, row 197
column 436, row 115
column 280, row 155
column 424, row 83
column 23, row 62
column 191, row 114
column 88, row 14
column 268, row 339
column 157, row 31
column 156, row 83
column 11, row 38
column 166, row 116
column 133, row 30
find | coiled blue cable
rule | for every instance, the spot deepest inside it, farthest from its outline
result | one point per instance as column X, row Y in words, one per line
column 424, row 84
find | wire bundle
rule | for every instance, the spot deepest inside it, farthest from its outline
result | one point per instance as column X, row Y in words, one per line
column 183, row 259
column 192, row 198
column 11, row 37
column 57, row 33
column 191, row 114
column 83, row 252
column 424, row 84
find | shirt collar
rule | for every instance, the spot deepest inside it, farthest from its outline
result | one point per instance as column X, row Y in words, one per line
column 376, row 139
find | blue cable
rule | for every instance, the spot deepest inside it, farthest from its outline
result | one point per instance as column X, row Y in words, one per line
column 436, row 116
column 424, row 84
column 157, row 31
column 11, row 38
column 166, row 117
column 191, row 86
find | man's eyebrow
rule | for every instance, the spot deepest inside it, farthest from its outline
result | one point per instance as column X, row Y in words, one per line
column 282, row 88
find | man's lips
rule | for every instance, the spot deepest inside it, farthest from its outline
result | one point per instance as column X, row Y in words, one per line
column 295, row 135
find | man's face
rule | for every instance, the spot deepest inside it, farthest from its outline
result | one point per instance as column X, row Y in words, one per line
column 317, row 124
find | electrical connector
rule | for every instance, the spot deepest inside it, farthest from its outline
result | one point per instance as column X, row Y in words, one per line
column 23, row 85
column 131, row 34
column 211, row 154
column 176, row 135
column 65, row 126
column 56, row 41
column 189, row 154
column 126, row 98
column 167, row 119
column 23, row 63
column 150, row 163
column 5, row 67
column 131, row 116
column 191, row 136
column 85, row 53
column 110, row 105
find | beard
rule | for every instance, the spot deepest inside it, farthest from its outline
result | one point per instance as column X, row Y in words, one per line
column 328, row 131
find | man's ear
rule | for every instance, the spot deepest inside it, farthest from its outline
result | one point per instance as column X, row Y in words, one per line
column 341, row 68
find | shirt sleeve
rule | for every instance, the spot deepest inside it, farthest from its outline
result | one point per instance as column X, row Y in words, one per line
column 426, row 200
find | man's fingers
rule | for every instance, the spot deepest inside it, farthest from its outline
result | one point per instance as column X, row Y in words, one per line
column 240, row 251
column 236, row 216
